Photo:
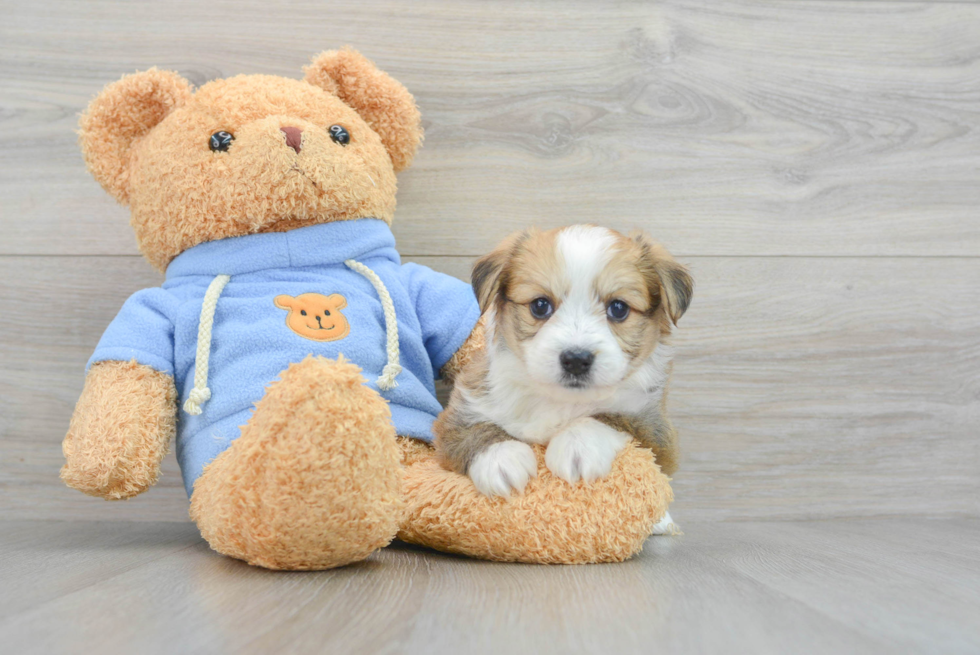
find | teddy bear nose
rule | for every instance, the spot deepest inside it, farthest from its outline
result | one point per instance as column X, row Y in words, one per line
column 293, row 137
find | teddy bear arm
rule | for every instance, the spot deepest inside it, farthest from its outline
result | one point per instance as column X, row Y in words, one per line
column 120, row 430
column 466, row 353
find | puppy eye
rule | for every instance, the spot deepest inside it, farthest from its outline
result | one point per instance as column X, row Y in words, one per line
column 617, row 311
column 339, row 135
column 541, row 308
column 220, row 141
column 302, row 312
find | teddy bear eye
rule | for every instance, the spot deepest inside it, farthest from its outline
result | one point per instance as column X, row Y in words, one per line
column 220, row 141
column 326, row 312
column 302, row 312
column 339, row 134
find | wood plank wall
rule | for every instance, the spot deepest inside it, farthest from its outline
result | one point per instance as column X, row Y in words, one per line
column 815, row 162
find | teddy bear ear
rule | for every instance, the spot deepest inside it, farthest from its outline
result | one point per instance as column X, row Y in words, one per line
column 283, row 301
column 120, row 115
column 381, row 101
column 337, row 301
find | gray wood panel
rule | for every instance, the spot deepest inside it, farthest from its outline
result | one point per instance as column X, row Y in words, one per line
column 804, row 387
column 730, row 128
column 869, row 586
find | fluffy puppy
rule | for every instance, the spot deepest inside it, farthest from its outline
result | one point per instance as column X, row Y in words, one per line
column 576, row 357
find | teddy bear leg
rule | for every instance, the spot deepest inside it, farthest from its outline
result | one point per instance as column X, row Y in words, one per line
column 414, row 451
column 552, row 522
column 314, row 480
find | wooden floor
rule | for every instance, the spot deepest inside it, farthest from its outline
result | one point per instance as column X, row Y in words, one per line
column 848, row 586
column 816, row 163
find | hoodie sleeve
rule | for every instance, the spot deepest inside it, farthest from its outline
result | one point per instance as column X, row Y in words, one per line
column 446, row 308
column 142, row 331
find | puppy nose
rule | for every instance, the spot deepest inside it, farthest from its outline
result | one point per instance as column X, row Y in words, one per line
column 294, row 137
column 576, row 362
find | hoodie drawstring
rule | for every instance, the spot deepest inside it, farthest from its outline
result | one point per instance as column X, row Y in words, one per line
column 386, row 382
column 200, row 393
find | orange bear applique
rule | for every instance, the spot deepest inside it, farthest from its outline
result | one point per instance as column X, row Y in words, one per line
column 315, row 316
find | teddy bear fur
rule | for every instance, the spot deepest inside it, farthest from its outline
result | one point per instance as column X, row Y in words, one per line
column 121, row 430
column 203, row 197
column 317, row 477
column 552, row 522
column 317, row 434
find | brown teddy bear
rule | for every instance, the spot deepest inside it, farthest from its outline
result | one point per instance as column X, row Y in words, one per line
column 258, row 195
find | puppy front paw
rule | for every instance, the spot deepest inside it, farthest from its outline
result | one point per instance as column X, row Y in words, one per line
column 584, row 451
column 502, row 467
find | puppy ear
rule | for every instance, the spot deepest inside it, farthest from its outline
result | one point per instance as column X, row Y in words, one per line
column 675, row 284
column 382, row 101
column 284, row 302
column 121, row 115
column 678, row 288
column 488, row 276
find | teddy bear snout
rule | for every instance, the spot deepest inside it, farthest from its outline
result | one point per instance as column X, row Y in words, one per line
column 294, row 137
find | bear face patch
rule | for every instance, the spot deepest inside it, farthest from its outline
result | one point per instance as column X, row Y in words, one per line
column 315, row 316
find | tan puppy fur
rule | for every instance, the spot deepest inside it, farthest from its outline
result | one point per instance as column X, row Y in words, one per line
column 577, row 321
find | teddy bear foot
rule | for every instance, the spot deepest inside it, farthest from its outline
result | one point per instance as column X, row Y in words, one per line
column 314, row 480
column 552, row 522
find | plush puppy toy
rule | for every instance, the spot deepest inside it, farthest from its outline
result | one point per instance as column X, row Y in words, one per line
column 288, row 346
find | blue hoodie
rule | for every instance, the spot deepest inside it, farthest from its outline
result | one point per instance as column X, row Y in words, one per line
column 251, row 343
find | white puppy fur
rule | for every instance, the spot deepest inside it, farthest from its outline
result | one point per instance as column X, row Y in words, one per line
column 585, row 450
column 580, row 323
column 503, row 467
column 666, row 526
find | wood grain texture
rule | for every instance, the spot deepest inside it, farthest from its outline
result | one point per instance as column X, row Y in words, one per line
column 804, row 387
column 869, row 586
column 730, row 128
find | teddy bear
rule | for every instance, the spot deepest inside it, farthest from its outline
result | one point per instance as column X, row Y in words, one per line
column 289, row 352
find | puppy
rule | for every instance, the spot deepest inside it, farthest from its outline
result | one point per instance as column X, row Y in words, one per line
column 576, row 357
